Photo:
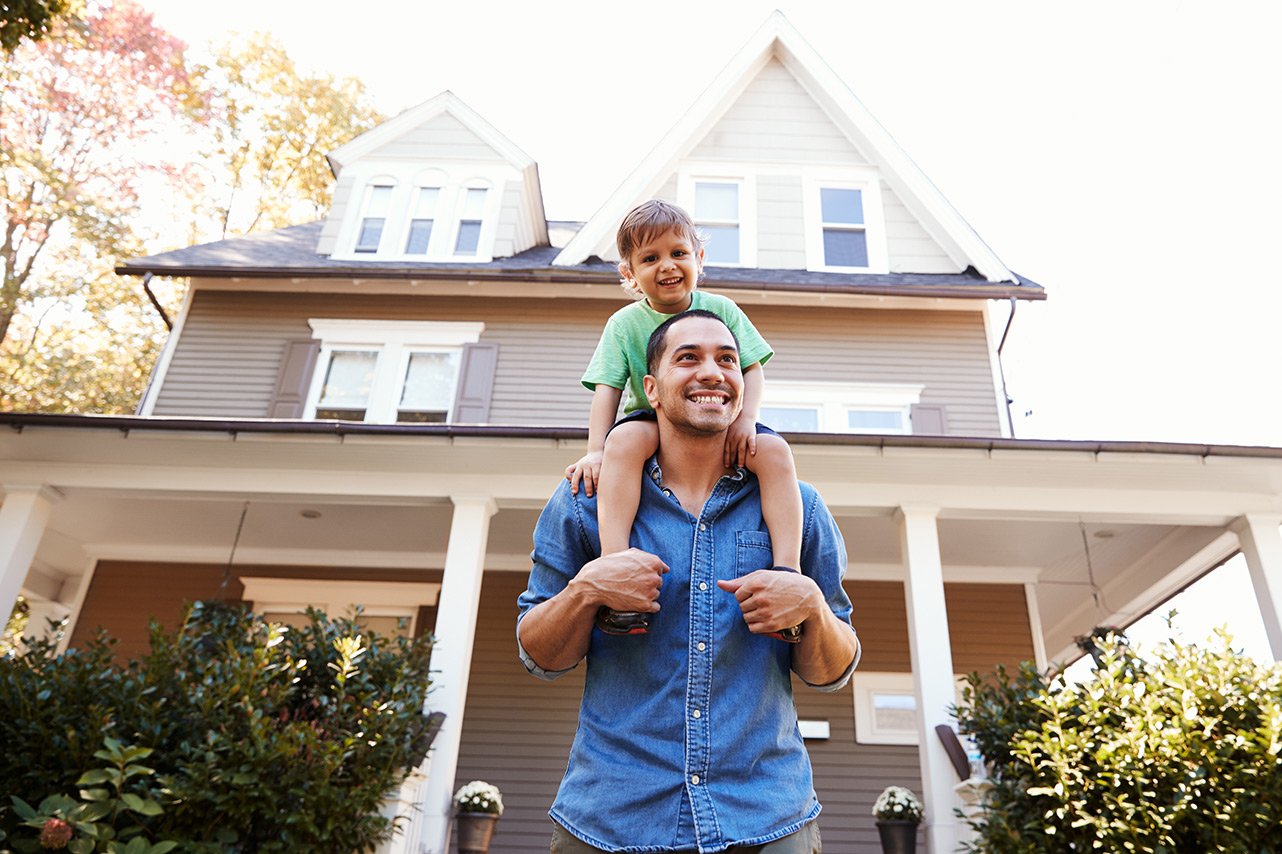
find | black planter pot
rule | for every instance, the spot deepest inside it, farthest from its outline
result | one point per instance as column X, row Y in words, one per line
column 898, row 837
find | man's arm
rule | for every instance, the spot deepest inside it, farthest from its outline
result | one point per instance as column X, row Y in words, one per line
column 556, row 633
column 772, row 600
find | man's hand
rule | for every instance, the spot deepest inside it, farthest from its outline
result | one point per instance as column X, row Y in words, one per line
column 625, row 581
column 741, row 442
column 586, row 469
column 772, row 600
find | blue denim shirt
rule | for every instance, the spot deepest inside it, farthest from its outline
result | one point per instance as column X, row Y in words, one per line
column 687, row 735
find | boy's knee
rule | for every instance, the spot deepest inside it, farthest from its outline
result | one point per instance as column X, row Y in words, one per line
column 772, row 451
column 633, row 440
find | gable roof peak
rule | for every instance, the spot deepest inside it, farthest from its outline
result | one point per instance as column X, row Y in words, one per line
column 777, row 38
column 444, row 102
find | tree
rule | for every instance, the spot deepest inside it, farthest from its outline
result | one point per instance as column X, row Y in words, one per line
column 264, row 163
column 1178, row 750
column 31, row 19
column 80, row 116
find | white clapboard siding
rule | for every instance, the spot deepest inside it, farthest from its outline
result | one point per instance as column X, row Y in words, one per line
column 442, row 137
column 342, row 198
column 781, row 235
column 775, row 119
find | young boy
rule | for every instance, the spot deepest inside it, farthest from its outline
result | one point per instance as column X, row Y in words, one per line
column 662, row 263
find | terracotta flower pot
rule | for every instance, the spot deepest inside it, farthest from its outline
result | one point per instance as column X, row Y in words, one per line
column 475, row 829
column 898, row 837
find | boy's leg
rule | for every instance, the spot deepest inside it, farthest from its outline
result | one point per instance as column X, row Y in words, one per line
column 780, row 498
column 627, row 447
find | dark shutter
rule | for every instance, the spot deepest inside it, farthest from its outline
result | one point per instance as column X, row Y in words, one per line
column 295, row 378
column 475, row 383
column 928, row 420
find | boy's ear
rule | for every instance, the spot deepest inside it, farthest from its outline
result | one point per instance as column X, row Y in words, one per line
column 651, row 391
column 625, row 270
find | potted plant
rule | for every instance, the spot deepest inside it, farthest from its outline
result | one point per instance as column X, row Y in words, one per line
column 898, row 812
column 477, row 806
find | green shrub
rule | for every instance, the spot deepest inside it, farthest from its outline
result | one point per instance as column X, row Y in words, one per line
column 264, row 739
column 1176, row 751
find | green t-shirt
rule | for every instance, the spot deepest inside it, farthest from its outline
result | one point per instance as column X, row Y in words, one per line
column 619, row 360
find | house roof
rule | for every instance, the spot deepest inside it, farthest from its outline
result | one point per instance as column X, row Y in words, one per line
column 291, row 252
column 777, row 39
column 128, row 423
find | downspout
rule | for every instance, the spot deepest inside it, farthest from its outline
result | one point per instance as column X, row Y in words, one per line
column 1001, row 370
column 160, row 309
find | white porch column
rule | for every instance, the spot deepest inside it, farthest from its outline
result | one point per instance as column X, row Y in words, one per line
column 23, row 518
column 452, row 657
column 932, row 663
column 1261, row 542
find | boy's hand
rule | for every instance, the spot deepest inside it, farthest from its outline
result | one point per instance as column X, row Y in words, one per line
column 741, row 442
column 586, row 469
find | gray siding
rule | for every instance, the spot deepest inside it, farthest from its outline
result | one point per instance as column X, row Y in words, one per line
column 228, row 358
column 909, row 247
column 343, row 190
column 441, row 138
column 781, row 225
column 775, row 119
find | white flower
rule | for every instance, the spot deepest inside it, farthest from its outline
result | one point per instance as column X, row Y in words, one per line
column 897, row 804
column 479, row 796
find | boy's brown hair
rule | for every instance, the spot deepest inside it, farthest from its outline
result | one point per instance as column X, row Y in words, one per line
column 647, row 220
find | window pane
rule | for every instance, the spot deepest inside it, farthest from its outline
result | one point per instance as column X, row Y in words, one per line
column 875, row 420
column 795, row 419
column 469, row 236
column 841, row 207
column 845, row 248
column 340, row 414
column 429, row 386
column 721, row 245
column 425, row 202
column 371, row 233
column 474, row 205
column 716, row 202
column 895, row 711
column 347, row 381
column 379, row 201
column 420, row 235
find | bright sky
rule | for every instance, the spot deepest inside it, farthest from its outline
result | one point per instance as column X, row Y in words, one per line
column 1123, row 155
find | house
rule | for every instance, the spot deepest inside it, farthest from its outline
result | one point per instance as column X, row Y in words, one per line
column 373, row 408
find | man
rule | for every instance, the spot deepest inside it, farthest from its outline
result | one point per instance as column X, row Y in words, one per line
column 687, row 736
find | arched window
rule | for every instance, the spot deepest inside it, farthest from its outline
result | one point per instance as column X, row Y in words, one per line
column 374, row 213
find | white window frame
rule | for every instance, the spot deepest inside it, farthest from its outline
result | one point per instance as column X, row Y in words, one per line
column 453, row 180
column 833, row 402
column 747, row 204
column 867, row 685
column 400, row 599
column 433, row 179
column 869, row 186
column 394, row 341
column 367, row 197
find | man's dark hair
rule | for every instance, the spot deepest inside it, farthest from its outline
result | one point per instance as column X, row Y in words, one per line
column 659, row 337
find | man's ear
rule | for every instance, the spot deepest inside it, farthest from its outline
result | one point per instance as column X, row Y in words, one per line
column 651, row 391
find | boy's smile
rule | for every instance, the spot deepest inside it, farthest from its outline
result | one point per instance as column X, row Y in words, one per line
column 665, row 268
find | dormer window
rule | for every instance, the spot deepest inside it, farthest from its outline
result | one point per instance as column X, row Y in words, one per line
column 471, row 217
column 422, row 218
column 378, row 202
column 717, row 215
column 845, row 238
column 845, row 230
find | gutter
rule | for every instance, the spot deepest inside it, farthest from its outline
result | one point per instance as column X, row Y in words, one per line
column 160, row 309
column 127, row 424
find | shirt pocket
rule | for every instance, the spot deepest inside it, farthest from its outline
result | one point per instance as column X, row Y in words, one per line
column 752, row 552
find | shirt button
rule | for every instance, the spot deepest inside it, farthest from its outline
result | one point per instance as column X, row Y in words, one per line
column 703, row 585
column 697, row 714
column 701, row 646
column 702, row 527
column 694, row 778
